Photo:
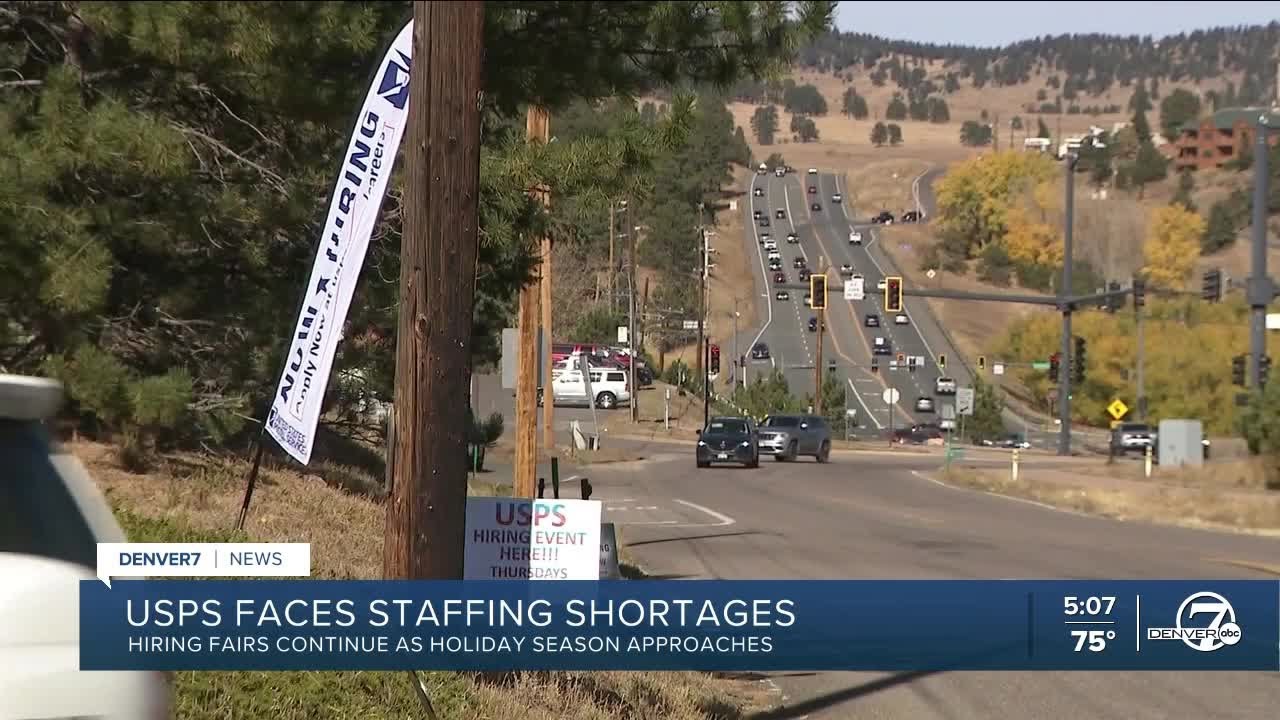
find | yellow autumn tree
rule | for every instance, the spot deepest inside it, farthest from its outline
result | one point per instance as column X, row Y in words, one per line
column 976, row 195
column 1030, row 241
column 1172, row 246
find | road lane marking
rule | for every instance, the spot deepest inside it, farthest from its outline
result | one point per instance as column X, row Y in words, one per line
column 720, row 517
column 1251, row 565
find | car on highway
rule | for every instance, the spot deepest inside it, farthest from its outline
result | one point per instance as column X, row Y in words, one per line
column 808, row 299
column 52, row 517
column 881, row 346
column 944, row 386
column 760, row 351
column 855, row 237
column 815, row 207
column 775, row 264
column 758, row 192
column 881, row 284
column 846, row 269
column 804, row 274
column 728, row 440
column 780, row 171
column 813, row 171
column 837, row 198
column 911, row 216
column 798, row 262
column 780, row 214
column 786, row 437
column 901, row 319
column 871, row 320
column 1132, row 437
column 924, row 404
column 884, row 218
column 813, row 190
column 775, row 255
column 756, row 214
column 779, row 277
column 765, row 236
column 813, row 324
column 764, row 222
column 1009, row 442
column 791, row 238
column 770, row 244
column 782, row 295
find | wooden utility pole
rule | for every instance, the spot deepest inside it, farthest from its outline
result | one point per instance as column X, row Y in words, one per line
column 427, row 507
column 548, row 408
column 613, row 265
column 537, row 128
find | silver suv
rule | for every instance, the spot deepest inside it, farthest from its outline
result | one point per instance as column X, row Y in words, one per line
column 786, row 437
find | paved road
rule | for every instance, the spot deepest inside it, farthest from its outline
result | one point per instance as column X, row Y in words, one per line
column 870, row 516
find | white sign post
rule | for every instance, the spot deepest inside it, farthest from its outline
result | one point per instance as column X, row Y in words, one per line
column 522, row 539
column 689, row 325
column 964, row 401
column 622, row 335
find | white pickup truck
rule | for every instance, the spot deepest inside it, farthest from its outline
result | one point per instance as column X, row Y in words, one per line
column 944, row 386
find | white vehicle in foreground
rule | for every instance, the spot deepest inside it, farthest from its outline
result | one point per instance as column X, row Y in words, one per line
column 60, row 517
column 855, row 237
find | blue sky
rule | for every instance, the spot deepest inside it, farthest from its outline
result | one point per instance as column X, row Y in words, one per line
column 1001, row 23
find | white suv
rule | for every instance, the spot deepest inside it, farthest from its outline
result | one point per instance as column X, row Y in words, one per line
column 52, row 516
column 608, row 385
column 944, row 386
column 855, row 237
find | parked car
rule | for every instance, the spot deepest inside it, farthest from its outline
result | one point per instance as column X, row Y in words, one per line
column 728, row 440
column 608, row 385
column 884, row 218
column 944, row 386
column 786, row 437
column 54, row 516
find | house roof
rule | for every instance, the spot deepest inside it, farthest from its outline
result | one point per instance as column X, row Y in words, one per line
column 1226, row 118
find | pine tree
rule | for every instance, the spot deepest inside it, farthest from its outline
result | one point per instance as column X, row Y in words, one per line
column 879, row 134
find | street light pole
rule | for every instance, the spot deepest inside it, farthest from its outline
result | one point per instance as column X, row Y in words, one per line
column 1064, row 291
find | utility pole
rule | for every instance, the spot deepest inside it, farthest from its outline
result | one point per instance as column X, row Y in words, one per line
column 537, row 129
column 613, row 266
column 427, row 508
column 548, row 408
column 702, row 296
column 1142, row 351
column 822, row 321
column 1064, row 292
column 1260, row 291
column 631, row 323
column 742, row 367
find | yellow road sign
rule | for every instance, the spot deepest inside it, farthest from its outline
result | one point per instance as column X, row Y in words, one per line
column 1118, row 409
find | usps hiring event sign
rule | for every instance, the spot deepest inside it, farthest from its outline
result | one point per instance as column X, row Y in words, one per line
column 521, row 539
column 353, row 210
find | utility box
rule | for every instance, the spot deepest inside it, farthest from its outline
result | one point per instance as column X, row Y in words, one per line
column 1178, row 443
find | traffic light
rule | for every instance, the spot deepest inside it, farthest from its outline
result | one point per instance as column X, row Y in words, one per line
column 942, row 362
column 1078, row 361
column 1116, row 301
column 1237, row 371
column 1264, row 369
column 715, row 359
column 1054, row 368
column 818, row 291
column 1139, row 292
column 893, row 294
column 1211, row 289
column 982, row 362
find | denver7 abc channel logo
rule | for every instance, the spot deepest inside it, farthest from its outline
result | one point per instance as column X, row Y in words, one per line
column 1205, row 622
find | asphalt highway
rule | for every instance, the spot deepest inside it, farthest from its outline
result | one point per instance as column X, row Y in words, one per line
column 868, row 516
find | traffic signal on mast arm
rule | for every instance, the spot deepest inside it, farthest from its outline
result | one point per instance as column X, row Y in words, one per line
column 1054, row 368
column 893, row 294
column 1237, row 370
column 942, row 362
column 1139, row 292
column 818, row 291
column 715, row 359
column 1078, row 361
column 1211, row 290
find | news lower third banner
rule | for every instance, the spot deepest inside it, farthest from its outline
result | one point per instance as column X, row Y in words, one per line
column 763, row 625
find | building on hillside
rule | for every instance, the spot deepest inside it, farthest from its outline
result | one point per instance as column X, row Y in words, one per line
column 1216, row 140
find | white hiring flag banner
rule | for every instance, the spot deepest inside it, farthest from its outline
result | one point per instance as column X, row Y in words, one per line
column 353, row 210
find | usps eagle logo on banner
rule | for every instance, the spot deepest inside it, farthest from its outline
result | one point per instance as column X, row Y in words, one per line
column 353, row 210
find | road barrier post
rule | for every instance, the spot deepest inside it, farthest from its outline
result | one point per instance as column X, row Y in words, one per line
column 1146, row 469
column 1013, row 472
